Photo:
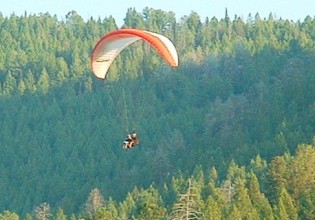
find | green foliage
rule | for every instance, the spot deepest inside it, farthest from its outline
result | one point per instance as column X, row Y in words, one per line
column 246, row 201
column 60, row 215
column 7, row 215
column 187, row 207
column 240, row 103
column 43, row 212
column 258, row 199
column 94, row 203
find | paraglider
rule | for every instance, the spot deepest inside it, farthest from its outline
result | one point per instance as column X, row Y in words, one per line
column 110, row 46
column 131, row 141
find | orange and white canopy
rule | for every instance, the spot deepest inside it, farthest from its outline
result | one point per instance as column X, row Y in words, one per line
column 108, row 48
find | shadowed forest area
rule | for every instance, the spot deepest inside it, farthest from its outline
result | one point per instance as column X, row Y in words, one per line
column 229, row 134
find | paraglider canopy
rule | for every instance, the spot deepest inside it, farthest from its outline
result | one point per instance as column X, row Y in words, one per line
column 109, row 47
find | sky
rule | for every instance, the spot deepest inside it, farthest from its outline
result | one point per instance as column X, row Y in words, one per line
column 286, row 9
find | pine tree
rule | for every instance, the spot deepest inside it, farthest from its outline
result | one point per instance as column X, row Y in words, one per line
column 242, row 201
column 286, row 206
column 186, row 207
column 111, row 209
column 301, row 178
column 259, row 201
column 280, row 211
column 9, row 85
column 28, row 217
column 212, row 210
column 63, row 70
column 126, row 207
column 60, row 215
column 94, row 202
column 21, row 87
column 7, row 215
column 133, row 19
column 277, row 177
column 43, row 212
column 30, row 82
column 234, row 214
column 43, row 82
column 149, row 205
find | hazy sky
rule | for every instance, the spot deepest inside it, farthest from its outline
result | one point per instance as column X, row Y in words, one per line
column 286, row 9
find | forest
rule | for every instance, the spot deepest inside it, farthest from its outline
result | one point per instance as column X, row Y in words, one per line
column 229, row 134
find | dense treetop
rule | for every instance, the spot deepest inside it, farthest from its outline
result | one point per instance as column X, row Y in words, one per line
column 220, row 133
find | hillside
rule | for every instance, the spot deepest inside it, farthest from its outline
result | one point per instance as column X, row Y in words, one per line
column 243, row 89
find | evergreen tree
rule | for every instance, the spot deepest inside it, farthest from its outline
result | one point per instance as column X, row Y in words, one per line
column 43, row 212
column 133, row 19
column 186, row 206
column 28, row 217
column 109, row 211
column 259, row 201
column 67, row 136
column 286, row 208
column 60, row 215
column 213, row 210
column 30, row 82
column 234, row 214
column 280, row 211
column 302, row 174
column 243, row 202
column 149, row 205
column 9, row 85
column 7, row 215
column 276, row 177
column 126, row 207
column 94, row 202
column 43, row 82
column 21, row 87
